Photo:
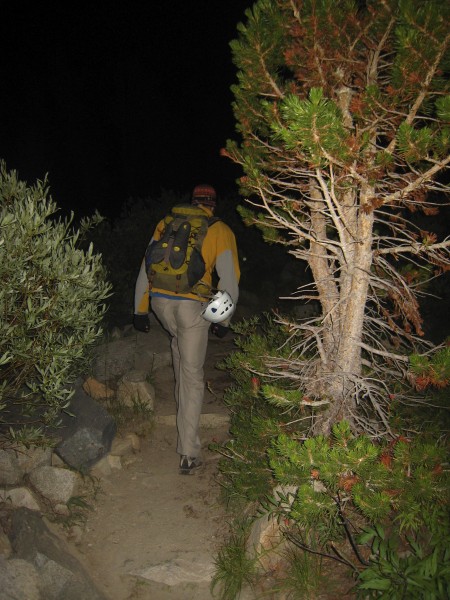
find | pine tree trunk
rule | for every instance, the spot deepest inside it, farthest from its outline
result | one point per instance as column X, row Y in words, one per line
column 343, row 291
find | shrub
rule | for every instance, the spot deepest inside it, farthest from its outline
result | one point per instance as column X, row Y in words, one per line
column 52, row 301
column 378, row 508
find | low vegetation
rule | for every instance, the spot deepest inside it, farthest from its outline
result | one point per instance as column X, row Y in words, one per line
column 52, row 303
column 340, row 420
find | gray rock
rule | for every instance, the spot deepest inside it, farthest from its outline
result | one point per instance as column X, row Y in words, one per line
column 55, row 484
column 10, row 473
column 113, row 359
column 54, row 578
column 19, row 580
column 5, row 545
column 32, row 458
column 149, row 359
column 147, row 352
column 188, row 568
column 19, row 496
column 87, row 435
column 61, row 576
column 134, row 389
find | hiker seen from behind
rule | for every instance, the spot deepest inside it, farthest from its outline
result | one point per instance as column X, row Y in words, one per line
column 176, row 282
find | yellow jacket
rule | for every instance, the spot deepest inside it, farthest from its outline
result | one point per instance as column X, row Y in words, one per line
column 219, row 252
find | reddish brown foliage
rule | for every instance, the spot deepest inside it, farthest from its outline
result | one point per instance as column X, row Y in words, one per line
column 346, row 482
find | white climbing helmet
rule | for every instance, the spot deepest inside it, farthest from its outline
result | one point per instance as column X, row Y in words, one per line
column 219, row 308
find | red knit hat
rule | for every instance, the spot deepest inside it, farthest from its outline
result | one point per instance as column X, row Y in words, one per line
column 204, row 194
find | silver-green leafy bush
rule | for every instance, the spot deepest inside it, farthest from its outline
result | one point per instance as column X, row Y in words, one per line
column 52, row 301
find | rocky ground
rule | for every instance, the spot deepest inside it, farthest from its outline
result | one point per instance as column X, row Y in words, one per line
column 146, row 532
column 153, row 533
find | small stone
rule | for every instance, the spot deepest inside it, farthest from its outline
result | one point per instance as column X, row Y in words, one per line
column 190, row 567
column 114, row 462
column 97, row 390
column 135, row 441
column 75, row 534
column 62, row 509
column 102, row 468
column 115, row 333
column 121, row 447
column 134, row 390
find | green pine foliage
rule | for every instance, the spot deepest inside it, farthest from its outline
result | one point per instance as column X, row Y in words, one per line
column 405, row 477
column 347, row 484
column 314, row 125
column 245, row 473
column 431, row 370
column 342, row 113
column 333, row 494
column 52, row 302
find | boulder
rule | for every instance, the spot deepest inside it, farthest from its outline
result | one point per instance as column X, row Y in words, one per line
column 55, row 484
column 266, row 541
column 10, row 474
column 61, row 576
column 134, row 389
column 86, row 433
column 192, row 567
column 33, row 457
column 20, row 496
column 142, row 351
column 19, row 580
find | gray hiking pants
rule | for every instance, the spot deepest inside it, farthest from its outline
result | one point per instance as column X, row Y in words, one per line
column 189, row 331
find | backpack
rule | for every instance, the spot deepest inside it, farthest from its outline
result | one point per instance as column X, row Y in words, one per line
column 175, row 262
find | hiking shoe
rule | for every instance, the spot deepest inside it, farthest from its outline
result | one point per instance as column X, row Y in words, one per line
column 188, row 465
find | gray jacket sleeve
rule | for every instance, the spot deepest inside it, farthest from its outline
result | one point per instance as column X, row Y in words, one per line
column 228, row 279
column 227, row 276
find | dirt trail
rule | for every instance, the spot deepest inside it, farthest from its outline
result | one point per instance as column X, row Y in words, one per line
column 147, row 515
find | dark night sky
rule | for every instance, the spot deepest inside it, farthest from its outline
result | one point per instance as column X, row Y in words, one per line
column 118, row 100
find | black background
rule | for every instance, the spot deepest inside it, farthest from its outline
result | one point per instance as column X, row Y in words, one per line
column 125, row 100
column 118, row 100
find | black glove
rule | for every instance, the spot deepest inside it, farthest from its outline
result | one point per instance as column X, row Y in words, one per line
column 218, row 330
column 141, row 323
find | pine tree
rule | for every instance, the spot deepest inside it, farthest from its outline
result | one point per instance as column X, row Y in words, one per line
column 343, row 109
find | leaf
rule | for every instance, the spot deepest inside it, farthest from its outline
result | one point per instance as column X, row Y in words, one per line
column 366, row 536
column 376, row 584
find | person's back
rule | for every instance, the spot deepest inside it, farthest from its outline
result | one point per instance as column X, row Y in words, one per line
column 219, row 244
column 187, row 316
